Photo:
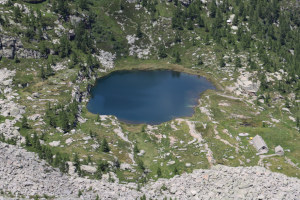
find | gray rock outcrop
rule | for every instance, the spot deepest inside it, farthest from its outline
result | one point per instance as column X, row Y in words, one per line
column 22, row 173
column 8, row 107
column 11, row 46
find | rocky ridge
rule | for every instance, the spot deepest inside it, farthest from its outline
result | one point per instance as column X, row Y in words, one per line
column 24, row 175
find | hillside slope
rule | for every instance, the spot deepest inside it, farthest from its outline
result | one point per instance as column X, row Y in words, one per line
column 52, row 52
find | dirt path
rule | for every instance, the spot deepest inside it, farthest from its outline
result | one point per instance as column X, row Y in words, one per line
column 195, row 134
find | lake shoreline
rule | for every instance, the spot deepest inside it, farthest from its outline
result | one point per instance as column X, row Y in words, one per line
column 146, row 66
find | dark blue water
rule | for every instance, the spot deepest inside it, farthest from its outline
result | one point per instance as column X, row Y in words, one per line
column 150, row 97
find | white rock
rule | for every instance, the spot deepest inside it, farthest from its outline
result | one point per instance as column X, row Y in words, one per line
column 54, row 143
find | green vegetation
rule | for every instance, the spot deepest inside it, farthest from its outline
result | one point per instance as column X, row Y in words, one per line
column 262, row 38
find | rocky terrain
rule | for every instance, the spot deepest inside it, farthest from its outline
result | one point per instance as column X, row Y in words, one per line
column 23, row 175
column 52, row 52
column 12, row 46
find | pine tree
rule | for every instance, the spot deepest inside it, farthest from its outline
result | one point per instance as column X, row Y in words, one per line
column 79, row 193
column 200, row 62
column 238, row 63
column 57, row 159
column 83, row 4
column 162, row 52
column 65, row 47
column 63, row 8
column 49, row 71
column 222, row 62
column 25, row 123
column 117, row 163
column 17, row 14
column 200, row 21
column 213, row 9
column 139, row 33
column 158, row 172
column 175, row 171
column 136, row 149
column 27, row 141
column 207, row 42
column 140, row 164
column 77, row 164
column 178, row 59
column 104, row 146
column 42, row 73
column 190, row 24
column 235, row 21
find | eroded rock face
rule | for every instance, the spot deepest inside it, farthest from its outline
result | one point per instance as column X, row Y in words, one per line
column 11, row 46
column 220, row 182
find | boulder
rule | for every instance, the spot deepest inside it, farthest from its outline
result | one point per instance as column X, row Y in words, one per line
column 54, row 143
column 88, row 168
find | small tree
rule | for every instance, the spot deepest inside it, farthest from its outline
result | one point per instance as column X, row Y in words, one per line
column 98, row 173
column 200, row 62
column 77, row 164
column 49, row 71
column 178, row 59
column 176, row 172
column 212, row 9
column 27, row 141
column 25, row 123
column 136, row 149
column 222, row 62
column 238, row 63
column 287, row 102
column 79, row 193
column 17, row 14
column 140, row 164
column 117, row 163
column 139, row 33
column 104, row 146
column 190, row 25
column 144, row 196
column 43, row 74
column 162, row 52
column 158, row 172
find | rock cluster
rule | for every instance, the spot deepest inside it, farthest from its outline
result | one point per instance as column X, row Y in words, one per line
column 12, row 46
column 8, row 108
column 22, row 173
column 245, row 84
column 106, row 59
column 141, row 51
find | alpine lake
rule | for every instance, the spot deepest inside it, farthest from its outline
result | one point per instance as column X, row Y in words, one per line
column 147, row 96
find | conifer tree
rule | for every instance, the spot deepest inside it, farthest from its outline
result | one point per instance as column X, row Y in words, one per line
column 178, row 59
column 25, row 123
column 162, row 52
column 213, row 9
column 238, row 63
column 42, row 73
column 77, row 164
column 158, row 172
column 222, row 62
column 139, row 33
column 190, row 24
column 136, row 149
column 104, row 146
